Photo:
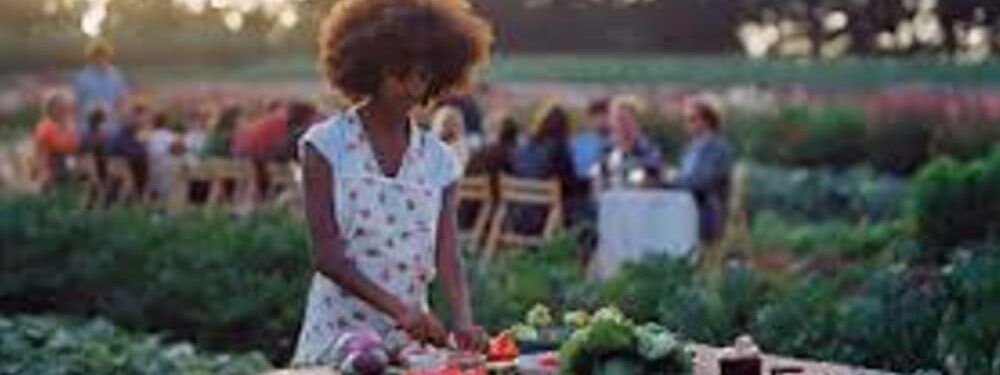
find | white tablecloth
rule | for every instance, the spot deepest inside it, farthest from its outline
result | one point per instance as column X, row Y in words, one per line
column 634, row 223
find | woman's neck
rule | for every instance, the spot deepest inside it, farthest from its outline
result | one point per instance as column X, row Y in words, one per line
column 385, row 116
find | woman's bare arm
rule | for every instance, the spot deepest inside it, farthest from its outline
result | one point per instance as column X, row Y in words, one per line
column 449, row 262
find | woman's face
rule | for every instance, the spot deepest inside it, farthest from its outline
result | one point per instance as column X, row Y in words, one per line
column 452, row 130
column 623, row 125
column 693, row 121
column 62, row 110
column 410, row 88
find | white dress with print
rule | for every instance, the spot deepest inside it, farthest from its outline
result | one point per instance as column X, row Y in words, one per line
column 389, row 225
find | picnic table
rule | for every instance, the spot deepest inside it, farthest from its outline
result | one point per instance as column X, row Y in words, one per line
column 705, row 363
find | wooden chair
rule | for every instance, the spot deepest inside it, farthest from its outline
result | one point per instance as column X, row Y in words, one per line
column 229, row 182
column 283, row 191
column 475, row 192
column 518, row 192
column 22, row 167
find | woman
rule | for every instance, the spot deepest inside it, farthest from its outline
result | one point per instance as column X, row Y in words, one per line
column 163, row 144
column 219, row 142
column 449, row 126
column 55, row 138
column 633, row 159
column 380, row 193
column 546, row 155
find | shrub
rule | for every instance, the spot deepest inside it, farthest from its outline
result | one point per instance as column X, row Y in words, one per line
column 47, row 345
column 969, row 338
column 237, row 285
column 901, row 145
column 503, row 289
column 834, row 238
column 804, row 136
column 892, row 322
column 955, row 202
column 715, row 310
column 823, row 194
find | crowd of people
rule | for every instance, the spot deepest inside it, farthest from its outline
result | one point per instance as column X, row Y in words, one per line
column 102, row 119
column 607, row 150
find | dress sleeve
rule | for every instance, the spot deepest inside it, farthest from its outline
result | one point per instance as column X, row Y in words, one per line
column 323, row 138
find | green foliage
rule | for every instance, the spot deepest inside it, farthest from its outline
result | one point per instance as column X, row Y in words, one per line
column 821, row 194
column 969, row 338
column 901, row 145
column 955, row 202
column 827, row 239
column 892, row 322
column 548, row 275
column 611, row 344
column 715, row 310
column 46, row 345
column 804, row 136
column 234, row 285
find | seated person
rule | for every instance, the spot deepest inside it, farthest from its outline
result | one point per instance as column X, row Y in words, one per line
column 632, row 153
column 263, row 136
column 705, row 167
column 448, row 124
column 546, row 156
column 55, row 138
column 590, row 144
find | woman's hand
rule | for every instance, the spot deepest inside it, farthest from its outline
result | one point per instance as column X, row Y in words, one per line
column 472, row 338
column 422, row 327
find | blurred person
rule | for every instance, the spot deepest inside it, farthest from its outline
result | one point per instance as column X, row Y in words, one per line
column 301, row 116
column 221, row 138
column 261, row 137
column 633, row 159
column 197, row 128
column 55, row 138
column 705, row 168
column 379, row 191
column 546, row 152
column 492, row 161
column 546, row 155
column 449, row 125
column 94, row 143
column 472, row 115
column 100, row 84
column 128, row 145
column 163, row 145
column 591, row 143
column 496, row 157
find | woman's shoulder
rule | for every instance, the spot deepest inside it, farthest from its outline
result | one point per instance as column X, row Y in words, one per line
column 327, row 130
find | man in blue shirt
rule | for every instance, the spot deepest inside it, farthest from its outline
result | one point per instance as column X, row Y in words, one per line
column 589, row 145
column 705, row 168
column 100, row 85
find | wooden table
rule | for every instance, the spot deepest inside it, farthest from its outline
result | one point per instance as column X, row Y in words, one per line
column 705, row 363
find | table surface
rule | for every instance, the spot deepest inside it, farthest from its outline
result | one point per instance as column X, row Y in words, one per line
column 705, row 363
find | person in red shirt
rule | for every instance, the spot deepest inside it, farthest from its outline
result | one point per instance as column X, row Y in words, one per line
column 262, row 136
column 55, row 138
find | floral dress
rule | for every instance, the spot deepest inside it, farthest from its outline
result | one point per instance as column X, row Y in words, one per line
column 389, row 225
